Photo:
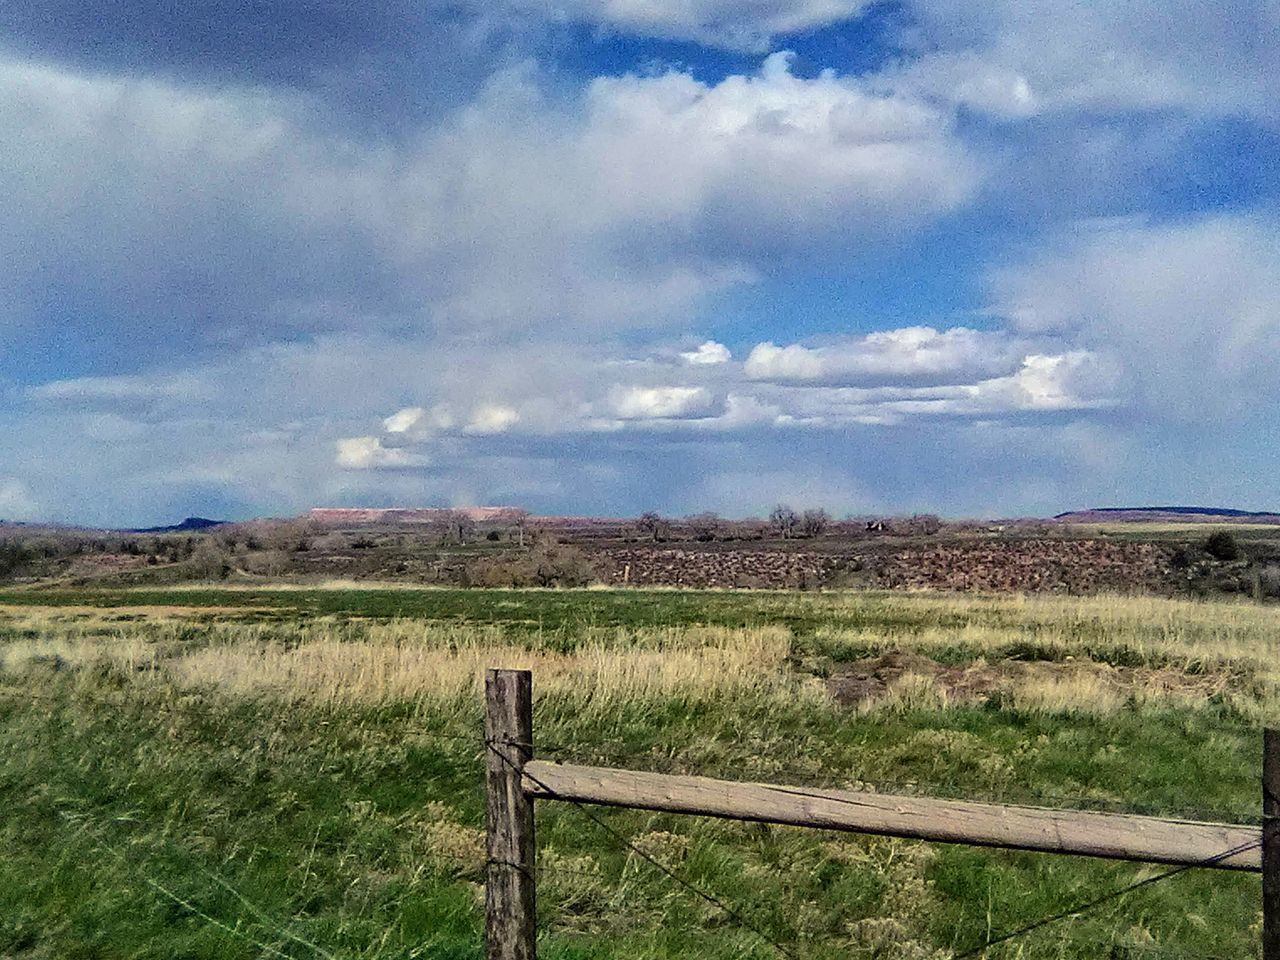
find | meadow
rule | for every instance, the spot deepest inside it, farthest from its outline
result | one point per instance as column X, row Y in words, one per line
column 238, row 773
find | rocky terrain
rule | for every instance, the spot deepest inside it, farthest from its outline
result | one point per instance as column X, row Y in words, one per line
column 1031, row 565
column 719, row 568
column 1028, row 566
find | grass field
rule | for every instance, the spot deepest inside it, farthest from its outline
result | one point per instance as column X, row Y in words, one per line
column 248, row 773
column 1177, row 530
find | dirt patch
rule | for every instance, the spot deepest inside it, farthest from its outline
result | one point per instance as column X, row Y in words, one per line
column 865, row 681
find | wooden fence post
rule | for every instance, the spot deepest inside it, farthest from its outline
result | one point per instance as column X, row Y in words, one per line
column 510, row 922
column 1271, row 845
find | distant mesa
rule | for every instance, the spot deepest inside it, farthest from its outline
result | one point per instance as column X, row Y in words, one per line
column 1181, row 514
column 346, row 515
column 191, row 523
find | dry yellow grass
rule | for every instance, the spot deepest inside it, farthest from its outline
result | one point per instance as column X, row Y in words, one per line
column 693, row 665
column 1195, row 634
column 1178, row 652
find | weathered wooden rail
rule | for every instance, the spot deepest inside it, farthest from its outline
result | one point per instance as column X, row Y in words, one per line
column 514, row 780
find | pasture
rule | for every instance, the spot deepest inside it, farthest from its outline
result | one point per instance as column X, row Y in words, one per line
column 221, row 773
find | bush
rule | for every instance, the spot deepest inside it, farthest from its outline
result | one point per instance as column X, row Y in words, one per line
column 265, row 563
column 704, row 527
column 1221, row 545
column 1266, row 582
column 14, row 558
column 210, row 561
column 813, row 522
column 547, row 564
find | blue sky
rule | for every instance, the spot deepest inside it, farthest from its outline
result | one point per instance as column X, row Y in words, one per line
column 616, row 255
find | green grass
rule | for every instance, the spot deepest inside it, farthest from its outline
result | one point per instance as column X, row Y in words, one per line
column 149, row 814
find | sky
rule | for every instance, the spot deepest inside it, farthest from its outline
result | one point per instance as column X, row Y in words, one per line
column 610, row 256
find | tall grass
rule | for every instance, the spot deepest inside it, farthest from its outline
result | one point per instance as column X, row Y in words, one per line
column 398, row 663
column 1100, row 654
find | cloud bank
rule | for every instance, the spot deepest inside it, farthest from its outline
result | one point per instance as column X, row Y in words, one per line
column 940, row 257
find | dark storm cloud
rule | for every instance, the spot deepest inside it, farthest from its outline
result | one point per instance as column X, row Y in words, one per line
column 389, row 61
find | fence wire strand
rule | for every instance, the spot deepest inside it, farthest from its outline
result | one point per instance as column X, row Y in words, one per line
column 729, row 911
column 977, row 951
column 1102, row 900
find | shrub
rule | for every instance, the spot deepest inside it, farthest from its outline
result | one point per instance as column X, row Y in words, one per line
column 1266, row 582
column 547, row 564
column 14, row 558
column 265, row 563
column 813, row 522
column 704, row 527
column 502, row 571
column 1221, row 545
column 210, row 561
column 561, row 566
column 650, row 526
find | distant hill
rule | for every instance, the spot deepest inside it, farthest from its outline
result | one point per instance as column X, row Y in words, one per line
column 190, row 523
column 1182, row 514
column 364, row 515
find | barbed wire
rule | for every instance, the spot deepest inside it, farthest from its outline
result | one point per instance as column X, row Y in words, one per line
column 1104, row 899
column 736, row 915
column 719, row 903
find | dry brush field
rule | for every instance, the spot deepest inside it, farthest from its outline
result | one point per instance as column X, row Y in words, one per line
column 245, row 773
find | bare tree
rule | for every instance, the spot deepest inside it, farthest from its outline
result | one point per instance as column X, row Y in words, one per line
column 459, row 526
column 704, row 526
column 649, row 524
column 783, row 519
column 814, row 521
column 520, row 517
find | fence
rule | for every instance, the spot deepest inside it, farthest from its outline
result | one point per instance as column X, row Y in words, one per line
column 514, row 780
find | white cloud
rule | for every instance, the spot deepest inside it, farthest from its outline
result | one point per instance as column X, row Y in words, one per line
column 773, row 157
column 969, row 78
column 367, row 453
column 402, row 421
column 1012, row 56
column 653, row 403
column 419, row 421
column 623, row 207
column 492, row 418
column 707, row 354
column 907, row 354
column 745, row 410
column 1075, row 380
column 1191, row 310
column 1078, row 380
column 121, row 388
column 768, row 361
